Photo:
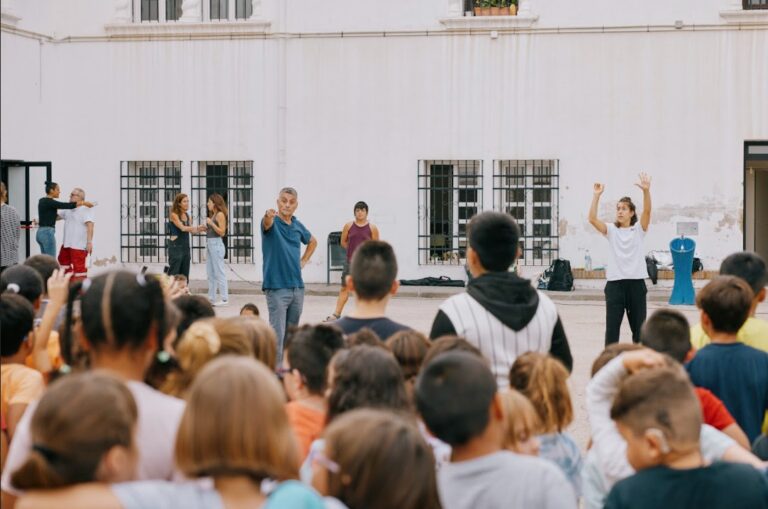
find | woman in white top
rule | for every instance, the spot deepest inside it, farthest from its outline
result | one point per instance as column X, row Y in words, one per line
column 626, row 272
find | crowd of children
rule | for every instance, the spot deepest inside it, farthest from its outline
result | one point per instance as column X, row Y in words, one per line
column 125, row 391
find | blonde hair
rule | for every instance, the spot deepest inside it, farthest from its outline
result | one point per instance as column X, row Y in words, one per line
column 261, row 336
column 235, row 424
column 203, row 341
column 520, row 416
column 78, row 420
column 543, row 380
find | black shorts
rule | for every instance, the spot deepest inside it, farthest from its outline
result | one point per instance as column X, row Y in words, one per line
column 344, row 273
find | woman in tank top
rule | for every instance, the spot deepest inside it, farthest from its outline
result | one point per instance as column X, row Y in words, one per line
column 179, row 228
column 217, row 228
column 354, row 233
column 625, row 289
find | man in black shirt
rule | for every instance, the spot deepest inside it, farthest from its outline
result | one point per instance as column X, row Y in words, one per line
column 373, row 279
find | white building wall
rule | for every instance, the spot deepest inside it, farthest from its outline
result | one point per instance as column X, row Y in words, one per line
column 348, row 118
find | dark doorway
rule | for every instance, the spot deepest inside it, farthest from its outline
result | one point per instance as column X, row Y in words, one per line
column 25, row 181
column 756, row 197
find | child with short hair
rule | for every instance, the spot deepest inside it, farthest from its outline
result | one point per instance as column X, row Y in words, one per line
column 750, row 267
column 249, row 309
column 409, row 348
column 735, row 372
column 308, row 351
column 523, row 423
column 391, row 463
column 457, row 397
column 662, row 430
column 20, row 385
column 544, row 381
column 83, row 431
column 667, row 331
column 373, row 280
column 606, row 461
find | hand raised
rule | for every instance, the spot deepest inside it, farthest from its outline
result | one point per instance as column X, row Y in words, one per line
column 642, row 359
column 270, row 213
column 598, row 188
column 644, row 182
column 58, row 286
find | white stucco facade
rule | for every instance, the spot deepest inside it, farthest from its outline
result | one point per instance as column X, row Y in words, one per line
column 342, row 99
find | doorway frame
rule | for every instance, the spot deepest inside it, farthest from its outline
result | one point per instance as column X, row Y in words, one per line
column 5, row 164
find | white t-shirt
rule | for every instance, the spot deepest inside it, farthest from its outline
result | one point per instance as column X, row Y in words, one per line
column 75, row 230
column 627, row 260
column 159, row 418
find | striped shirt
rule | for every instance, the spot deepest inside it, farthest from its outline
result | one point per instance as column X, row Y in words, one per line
column 9, row 235
column 498, row 343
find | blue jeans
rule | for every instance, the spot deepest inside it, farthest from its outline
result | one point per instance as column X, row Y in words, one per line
column 214, row 264
column 284, row 306
column 46, row 239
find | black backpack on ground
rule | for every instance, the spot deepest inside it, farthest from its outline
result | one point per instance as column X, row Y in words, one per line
column 560, row 276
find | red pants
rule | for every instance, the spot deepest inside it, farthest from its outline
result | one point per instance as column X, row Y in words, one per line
column 73, row 260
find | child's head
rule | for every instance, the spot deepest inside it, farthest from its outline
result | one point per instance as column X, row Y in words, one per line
column 24, row 281
column 450, row 344
column 45, row 265
column 375, row 459
column 364, row 336
column 611, row 352
column 17, row 318
column 667, row 331
column 409, row 348
column 544, row 381
column 308, row 351
column 121, row 313
column 201, row 343
column 235, row 424
column 725, row 304
column 361, row 211
column 455, row 395
column 373, row 271
column 750, row 267
column 659, row 416
column 493, row 242
column 262, row 337
column 193, row 308
column 365, row 377
column 522, row 423
column 249, row 309
column 82, row 431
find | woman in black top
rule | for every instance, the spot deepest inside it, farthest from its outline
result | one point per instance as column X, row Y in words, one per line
column 179, row 228
column 47, row 213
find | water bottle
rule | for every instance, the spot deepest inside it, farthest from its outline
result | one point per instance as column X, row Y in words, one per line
column 587, row 261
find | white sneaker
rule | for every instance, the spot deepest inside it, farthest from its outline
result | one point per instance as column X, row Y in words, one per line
column 221, row 303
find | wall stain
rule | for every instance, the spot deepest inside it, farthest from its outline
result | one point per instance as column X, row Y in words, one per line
column 562, row 227
column 103, row 262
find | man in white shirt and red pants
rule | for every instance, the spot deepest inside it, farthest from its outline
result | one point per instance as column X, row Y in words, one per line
column 78, row 237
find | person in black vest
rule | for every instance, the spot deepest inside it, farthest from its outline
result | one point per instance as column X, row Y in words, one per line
column 501, row 313
column 179, row 229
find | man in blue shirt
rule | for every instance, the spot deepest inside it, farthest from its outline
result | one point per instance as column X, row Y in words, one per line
column 281, row 237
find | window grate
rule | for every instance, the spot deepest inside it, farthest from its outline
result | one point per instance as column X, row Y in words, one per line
column 150, row 10
column 528, row 190
column 219, row 9
column 147, row 189
column 754, row 4
column 243, row 9
column 234, row 181
column 450, row 194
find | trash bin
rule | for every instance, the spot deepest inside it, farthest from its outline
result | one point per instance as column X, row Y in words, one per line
column 682, row 250
column 336, row 255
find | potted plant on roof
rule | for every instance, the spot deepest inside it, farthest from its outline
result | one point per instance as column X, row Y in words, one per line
column 483, row 7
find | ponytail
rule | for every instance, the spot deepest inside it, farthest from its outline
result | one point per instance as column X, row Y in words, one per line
column 37, row 473
column 543, row 380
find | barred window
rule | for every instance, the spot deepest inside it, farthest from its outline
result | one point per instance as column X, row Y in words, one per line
column 147, row 189
column 528, row 191
column 755, row 4
column 233, row 180
column 450, row 194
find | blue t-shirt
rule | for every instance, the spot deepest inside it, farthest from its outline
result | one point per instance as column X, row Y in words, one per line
column 281, row 252
column 738, row 375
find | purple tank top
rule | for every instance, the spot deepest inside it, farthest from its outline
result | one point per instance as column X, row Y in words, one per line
column 357, row 235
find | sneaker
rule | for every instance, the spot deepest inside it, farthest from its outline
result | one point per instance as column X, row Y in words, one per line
column 332, row 317
column 221, row 303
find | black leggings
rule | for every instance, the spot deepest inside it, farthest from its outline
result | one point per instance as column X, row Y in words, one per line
column 621, row 295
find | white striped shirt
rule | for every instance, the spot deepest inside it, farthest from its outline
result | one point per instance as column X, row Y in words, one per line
column 498, row 343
